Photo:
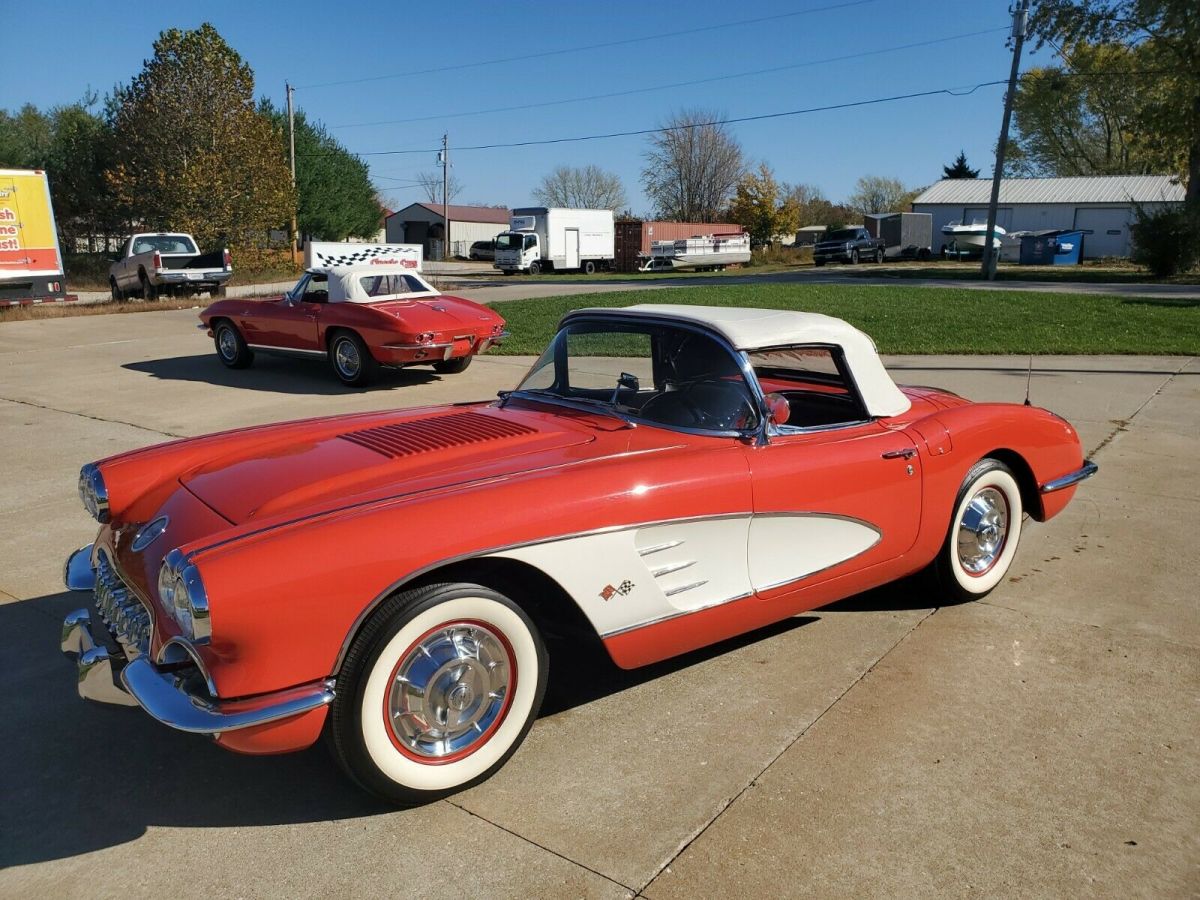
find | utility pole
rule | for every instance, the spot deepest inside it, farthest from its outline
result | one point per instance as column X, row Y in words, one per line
column 445, row 154
column 1020, row 14
column 291, row 113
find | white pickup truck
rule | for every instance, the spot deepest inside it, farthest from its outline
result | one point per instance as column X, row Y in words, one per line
column 167, row 263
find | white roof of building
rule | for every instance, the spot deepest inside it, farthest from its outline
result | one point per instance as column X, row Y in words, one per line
column 1088, row 189
column 757, row 329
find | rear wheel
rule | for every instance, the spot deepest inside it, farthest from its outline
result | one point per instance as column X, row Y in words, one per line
column 853, row 257
column 218, row 291
column 351, row 360
column 983, row 535
column 878, row 256
column 149, row 291
column 589, row 267
column 436, row 692
column 117, row 293
column 818, row 263
column 452, row 366
column 231, row 346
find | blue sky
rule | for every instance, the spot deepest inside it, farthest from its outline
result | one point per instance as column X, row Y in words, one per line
column 312, row 44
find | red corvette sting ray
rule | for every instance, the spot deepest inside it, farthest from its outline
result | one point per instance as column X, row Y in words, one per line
column 663, row 478
column 358, row 318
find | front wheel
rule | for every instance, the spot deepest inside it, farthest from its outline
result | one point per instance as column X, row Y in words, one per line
column 878, row 256
column 452, row 366
column 535, row 268
column 436, row 692
column 231, row 346
column 351, row 359
column 983, row 535
column 854, row 257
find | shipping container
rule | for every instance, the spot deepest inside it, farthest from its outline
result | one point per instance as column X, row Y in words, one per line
column 906, row 235
column 634, row 238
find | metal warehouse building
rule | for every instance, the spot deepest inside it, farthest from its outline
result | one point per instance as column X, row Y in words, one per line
column 421, row 223
column 1102, row 207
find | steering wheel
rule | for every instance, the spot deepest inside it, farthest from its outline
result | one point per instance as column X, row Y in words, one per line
column 726, row 411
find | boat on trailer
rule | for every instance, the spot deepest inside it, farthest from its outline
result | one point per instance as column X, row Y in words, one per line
column 969, row 239
column 714, row 251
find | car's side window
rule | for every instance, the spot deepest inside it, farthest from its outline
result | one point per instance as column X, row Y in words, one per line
column 815, row 383
column 316, row 290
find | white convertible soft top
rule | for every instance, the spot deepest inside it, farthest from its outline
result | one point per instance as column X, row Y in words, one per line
column 759, row 329
column 376, row 283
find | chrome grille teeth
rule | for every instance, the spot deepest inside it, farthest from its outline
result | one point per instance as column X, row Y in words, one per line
column 124, row 615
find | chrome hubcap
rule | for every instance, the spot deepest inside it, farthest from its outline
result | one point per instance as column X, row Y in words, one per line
column 450, row 690
column 983, row 531
column 346, row 355
column 227, row 343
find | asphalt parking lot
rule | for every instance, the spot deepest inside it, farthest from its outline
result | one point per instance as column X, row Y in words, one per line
column 1042, row 742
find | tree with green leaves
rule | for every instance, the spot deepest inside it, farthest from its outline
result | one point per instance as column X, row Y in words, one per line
column 1163, row 37
column 959, row 168
column 192, row 151
column 25, row 138
column 879, row 194
column 335, row 198
column 762, row 208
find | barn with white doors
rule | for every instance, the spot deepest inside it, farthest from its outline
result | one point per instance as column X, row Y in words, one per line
column 1101, row 206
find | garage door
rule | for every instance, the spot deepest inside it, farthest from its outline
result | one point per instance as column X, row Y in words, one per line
column 1109, row 230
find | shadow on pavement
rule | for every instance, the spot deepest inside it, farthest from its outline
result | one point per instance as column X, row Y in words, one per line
column 80, row 776
column 278, row 374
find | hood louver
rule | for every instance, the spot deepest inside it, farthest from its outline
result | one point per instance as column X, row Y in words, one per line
column 440, row 433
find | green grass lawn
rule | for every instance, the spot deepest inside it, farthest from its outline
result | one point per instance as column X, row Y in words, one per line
column 905, row 319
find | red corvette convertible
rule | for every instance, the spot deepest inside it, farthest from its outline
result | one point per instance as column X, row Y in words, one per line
column 359, row 318
column 664, row 477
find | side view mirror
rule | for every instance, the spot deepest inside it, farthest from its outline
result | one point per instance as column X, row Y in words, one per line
column 778, row 409
column 627, row 381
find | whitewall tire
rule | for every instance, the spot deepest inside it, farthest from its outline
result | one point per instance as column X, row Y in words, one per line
column 437, row 691
column 984, row 531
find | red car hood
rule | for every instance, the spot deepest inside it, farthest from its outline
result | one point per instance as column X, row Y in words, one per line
column 439, row 313
column 385, row 457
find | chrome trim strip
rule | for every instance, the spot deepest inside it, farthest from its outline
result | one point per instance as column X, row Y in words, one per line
column 1088, row 469
column 159, row 695
column 439, row 346
column 675, row 615
column 659, row 547
column 672, row 567
column 685, row 587
column 268, row 348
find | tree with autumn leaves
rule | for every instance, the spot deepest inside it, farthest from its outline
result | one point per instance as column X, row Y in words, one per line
column 192, row 152
column 762, row 207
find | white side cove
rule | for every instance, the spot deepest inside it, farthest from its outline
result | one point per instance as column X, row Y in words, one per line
column 628, row 578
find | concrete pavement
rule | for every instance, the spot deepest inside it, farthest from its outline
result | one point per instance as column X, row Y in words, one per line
column 1040, row 742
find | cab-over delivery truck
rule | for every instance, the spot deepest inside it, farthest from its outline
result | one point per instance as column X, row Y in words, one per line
column 541, row 239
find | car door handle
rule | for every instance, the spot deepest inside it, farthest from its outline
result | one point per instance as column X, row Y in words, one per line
column 906, row 453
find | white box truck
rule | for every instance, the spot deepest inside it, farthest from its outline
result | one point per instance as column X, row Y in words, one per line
column 540, row 239
column 31, row 264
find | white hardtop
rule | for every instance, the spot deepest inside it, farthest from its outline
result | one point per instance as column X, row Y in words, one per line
column 758, row 329
column 375, row 284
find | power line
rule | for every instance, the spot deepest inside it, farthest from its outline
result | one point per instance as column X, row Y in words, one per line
column 579, row 49
column 731, row 121
column 677, row 84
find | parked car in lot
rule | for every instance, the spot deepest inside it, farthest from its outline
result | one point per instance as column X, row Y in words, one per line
column 848, row 245
column 359, row 318
column 483, row 250
column 663, row 478
column 167, row 263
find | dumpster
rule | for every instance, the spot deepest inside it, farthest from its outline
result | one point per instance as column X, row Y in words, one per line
column 1051, row 248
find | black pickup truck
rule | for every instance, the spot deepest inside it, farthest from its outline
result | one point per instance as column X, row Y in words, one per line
column 848, row 245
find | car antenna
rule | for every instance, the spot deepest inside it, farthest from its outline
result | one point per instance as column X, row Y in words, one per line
column 1028, row 379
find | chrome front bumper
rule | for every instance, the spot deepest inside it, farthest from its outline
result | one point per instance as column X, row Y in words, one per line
column 1087, row 470
column 178, row 696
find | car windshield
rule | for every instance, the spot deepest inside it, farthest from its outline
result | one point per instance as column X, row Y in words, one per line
column 163, row 243
column 659, row 374
column 842, row 234
column 508, row 241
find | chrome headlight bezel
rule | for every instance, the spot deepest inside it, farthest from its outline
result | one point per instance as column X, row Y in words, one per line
column 93, row 493
column 181, row 591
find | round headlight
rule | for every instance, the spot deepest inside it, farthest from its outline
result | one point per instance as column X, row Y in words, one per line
column 93, row 493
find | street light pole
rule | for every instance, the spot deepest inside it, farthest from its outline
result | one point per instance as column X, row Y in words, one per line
column 990, row 256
